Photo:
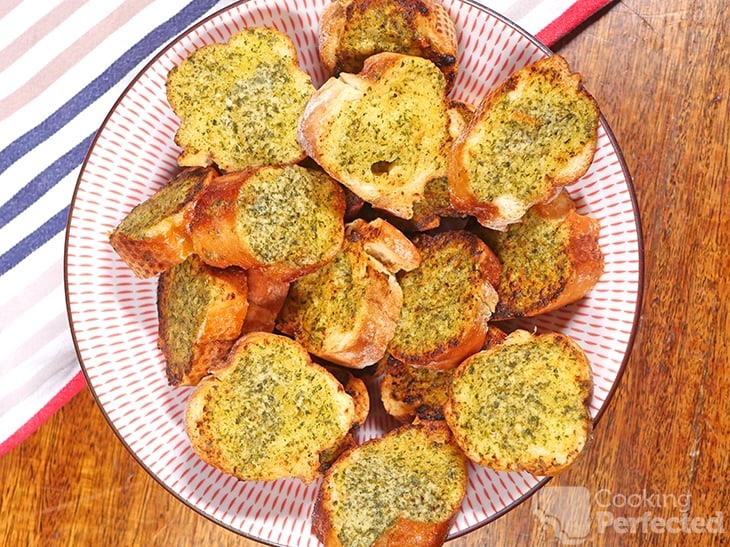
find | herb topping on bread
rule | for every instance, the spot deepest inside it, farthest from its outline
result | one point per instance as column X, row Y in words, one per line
column 383, row 133
column 239, row 103
column 286, row 221
column 201, row 311
column 402, row 489
column 346, row 311
column 447, row 300
column 523, row 405
column 353, row 30
column 533, row 134
column 269, row 412
column 550, row 259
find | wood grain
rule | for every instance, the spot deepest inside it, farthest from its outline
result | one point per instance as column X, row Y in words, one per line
column 660, row 72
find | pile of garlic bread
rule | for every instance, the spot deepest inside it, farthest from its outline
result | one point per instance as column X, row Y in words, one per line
column 320, row 247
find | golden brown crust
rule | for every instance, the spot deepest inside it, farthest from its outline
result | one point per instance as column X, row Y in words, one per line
column 424, row 29
column 462, row 323
column 580, row 256
column 385, row 243
column 265, row 298
column 157, row 246
column 508, row 202
column 217, row 326
column 219, row 240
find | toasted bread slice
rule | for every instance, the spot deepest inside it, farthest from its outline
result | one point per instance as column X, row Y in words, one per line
column 550, row 259
column 402, row 489
column 239, row 103
column 523, row 405
column 383, row 133
column 200, row 311
column 154, row 236
column 285, row 221
column 352, row 30
column 269, row 412
column 447, row 301
column 415, row 392
column 265, row 298
column 345, row 312
column 535, row 133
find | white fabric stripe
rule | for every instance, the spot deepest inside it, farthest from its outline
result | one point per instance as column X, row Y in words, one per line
column 544, row 13
column 56, row 368
column 53, row 43
column 25, row 326
column 15, row 302
column 21, row 18
column 29, row 268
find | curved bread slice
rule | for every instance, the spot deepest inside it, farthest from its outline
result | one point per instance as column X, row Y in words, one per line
column 533, row 134
column 416, row 392
column 346, row 311
column 201, row 311
column 352, row 30
column 550, row 259
column 447, row 301
column 402, row 489
column 269, row 412
column 523, row 405
column 239, row 103
column 154, row 236
column 383, row 133
column 285, row 221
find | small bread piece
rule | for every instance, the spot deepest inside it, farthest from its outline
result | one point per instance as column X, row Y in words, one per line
column 200, row 311
column 239, row 103
column 265, row 298
column 535, row 133
column 346, row 311
column 154, row 236
column 383, row 133
column 447, row 301
column 269, row 412
column 285, row 221
column 550, row 259
column 415, row 392
column 352, row 30
column 402, row 489
column 523, row 405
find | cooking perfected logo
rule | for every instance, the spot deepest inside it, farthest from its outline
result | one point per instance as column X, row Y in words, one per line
column 566, row 510
column 570, row 513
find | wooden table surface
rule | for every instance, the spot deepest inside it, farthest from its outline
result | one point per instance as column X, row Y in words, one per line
column 661, row 72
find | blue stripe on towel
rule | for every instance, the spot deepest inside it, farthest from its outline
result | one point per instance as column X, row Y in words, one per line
column 44, row 181
column 105, row 81
column 33, row 241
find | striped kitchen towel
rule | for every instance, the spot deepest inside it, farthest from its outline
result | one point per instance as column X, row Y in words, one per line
column 63, row 63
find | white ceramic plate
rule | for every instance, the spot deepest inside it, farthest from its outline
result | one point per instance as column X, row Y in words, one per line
column 113, row 314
